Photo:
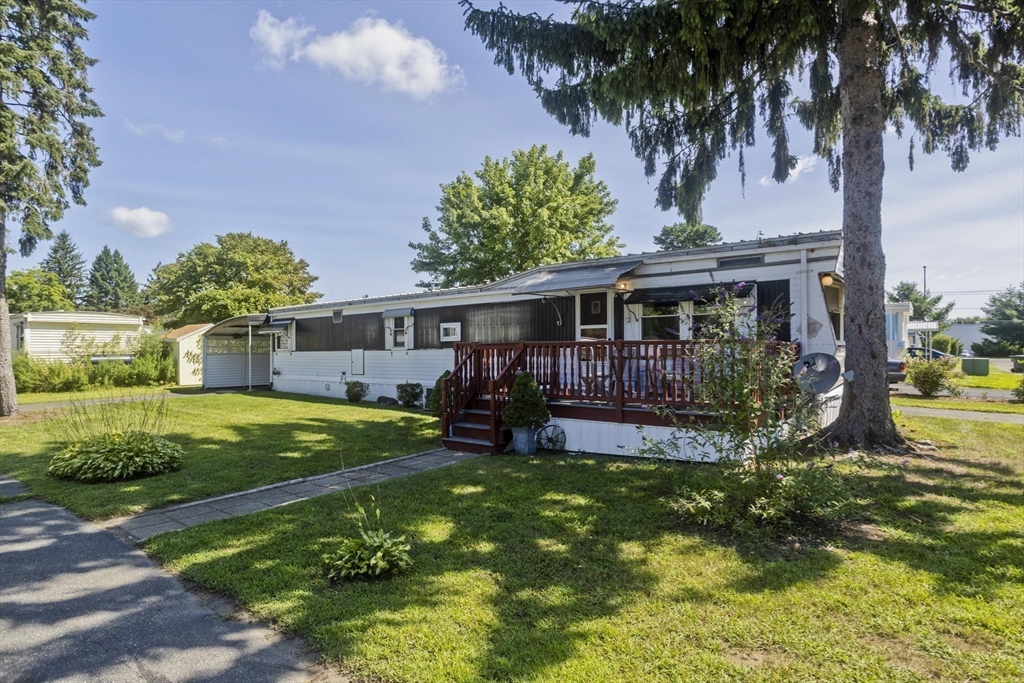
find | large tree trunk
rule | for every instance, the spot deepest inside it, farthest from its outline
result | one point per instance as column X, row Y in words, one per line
column 865, row 417
column 8, row 395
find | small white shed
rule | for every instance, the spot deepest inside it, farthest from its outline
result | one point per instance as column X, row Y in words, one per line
column 186, row 346
column 235, row 354
column 57, row 335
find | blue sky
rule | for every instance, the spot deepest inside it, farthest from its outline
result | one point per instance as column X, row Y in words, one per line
column 334, row 130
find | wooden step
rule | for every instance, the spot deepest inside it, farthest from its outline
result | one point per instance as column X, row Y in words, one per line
column 482, row 417
column 472, row 430
column 467, row 445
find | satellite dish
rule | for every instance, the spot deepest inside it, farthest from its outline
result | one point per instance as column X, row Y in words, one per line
column 816, row 373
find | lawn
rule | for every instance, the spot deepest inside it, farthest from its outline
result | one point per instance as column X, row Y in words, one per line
column 573, row 569
column 996, row 379
column 232, row 442
column 94, row 394
column 943, row 403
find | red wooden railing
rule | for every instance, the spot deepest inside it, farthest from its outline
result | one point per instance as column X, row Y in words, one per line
column 613, row 373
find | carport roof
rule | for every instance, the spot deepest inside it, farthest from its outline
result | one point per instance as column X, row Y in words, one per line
column 240, row 324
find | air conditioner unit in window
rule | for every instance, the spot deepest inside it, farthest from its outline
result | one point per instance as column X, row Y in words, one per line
column 336, row 316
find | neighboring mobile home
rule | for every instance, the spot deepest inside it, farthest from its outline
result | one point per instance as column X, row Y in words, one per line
column 186, row 346
column 568, row 322
column 57, row 335
column 897, row 333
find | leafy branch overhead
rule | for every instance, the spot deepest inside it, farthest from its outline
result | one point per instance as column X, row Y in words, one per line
column 515, row 214
column 689, row 80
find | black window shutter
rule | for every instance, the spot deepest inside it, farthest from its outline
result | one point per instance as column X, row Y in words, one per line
column 773, row 297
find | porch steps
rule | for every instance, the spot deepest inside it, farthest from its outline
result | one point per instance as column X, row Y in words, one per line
column 471, row 431
column 467, row 445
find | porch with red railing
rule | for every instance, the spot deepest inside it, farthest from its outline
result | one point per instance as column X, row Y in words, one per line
column 607, row 381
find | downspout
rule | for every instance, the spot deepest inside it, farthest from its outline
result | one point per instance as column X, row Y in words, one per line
column 804, row 337
column 249, row 331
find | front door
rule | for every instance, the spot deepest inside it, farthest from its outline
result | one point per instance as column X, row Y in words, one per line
column 594, row 316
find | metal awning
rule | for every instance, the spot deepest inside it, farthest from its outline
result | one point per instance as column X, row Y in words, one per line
column 923, row 326
column 396, row 313
column 670, row 295
column 275, row 326
column 577, row 277
column 237, row 326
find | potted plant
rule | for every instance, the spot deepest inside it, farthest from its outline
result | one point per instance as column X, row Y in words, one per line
column 526, row 413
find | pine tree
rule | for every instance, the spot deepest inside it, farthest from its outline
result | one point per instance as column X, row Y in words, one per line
column 46, row 145
column 691, row 80
column 67, row 263
column 112, row 286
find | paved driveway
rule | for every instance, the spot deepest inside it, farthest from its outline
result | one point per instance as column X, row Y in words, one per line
column 79, row 604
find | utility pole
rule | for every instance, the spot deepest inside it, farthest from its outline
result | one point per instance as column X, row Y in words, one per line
column 924, row 285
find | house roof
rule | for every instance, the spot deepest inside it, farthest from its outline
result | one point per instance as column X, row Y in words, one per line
column 186, row 331
column 515, row 283
column 81, row 317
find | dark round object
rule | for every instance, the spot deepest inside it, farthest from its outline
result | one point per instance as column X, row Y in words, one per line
column 551, row 438
column 816, row 373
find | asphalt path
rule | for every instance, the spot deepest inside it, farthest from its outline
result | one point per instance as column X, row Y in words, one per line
column 79, row 604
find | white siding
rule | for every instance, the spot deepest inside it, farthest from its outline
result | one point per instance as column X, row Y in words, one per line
column 46, row 339
column 224, row 370
column 190, row 373
column 322, row 373
column 609, row 438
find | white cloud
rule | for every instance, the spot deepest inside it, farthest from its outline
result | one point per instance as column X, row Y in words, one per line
column 142, row 221
column 370, row 51
column 216, row 141
column 804, row 164
column 278, row 41
column 169, row 134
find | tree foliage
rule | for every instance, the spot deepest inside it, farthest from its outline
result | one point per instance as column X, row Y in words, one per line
column 925, row 307
column 112, row 285
column 241, row 273
column 687, row 236
column 692, row 81
column 46, row 146
column 66, row 262
column 513, row 215
column 1005, row 317
column 36, row 290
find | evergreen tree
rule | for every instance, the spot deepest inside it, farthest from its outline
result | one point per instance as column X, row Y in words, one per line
column 1004, row 318
column 687, row 236
column 67, row 263
column 112, row 286
column 689, row 80
column 46, row 146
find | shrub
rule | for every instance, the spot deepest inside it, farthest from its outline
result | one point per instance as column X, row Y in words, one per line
column 763, row 502
column 114, row 457
column 356, row 391
column 434, row 404
column 947, row 344
column 38, row 375
column 1018, row 391
column 931, row 377
column 374, row 554
column 527, row 407
column 994, row 349
column 410, row 394
column 113, row 413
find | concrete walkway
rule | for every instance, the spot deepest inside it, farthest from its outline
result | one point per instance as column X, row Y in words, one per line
column 969, row 415
column 148, row 524
column 78, row 604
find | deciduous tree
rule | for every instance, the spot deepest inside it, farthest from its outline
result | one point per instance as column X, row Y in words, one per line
column 518, row 213
column 112, row 285
column 925, row 307
column 687, row 236
column 240, row 274
column 690, row 81
column 67, row 263
column 46, row 146
column 36, row 290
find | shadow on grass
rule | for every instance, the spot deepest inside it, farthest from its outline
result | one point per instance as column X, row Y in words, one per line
column 232, row 443
column 501, row 544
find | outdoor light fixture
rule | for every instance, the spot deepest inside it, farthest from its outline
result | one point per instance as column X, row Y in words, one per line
column 826, row 280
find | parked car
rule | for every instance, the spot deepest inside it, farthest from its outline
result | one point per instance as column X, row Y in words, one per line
column 966, row 354
column 916, row 352
column 897, row 371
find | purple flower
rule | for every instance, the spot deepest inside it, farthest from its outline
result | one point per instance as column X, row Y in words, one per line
column 740, row 285
column 905, row 462
column 835, row 444
column 777, row 320
column 779, row 477
column 645, row 406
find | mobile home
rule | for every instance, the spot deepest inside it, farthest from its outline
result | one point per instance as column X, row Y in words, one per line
column 57, row 335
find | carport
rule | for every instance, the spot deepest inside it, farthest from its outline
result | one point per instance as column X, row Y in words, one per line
column 235, row 355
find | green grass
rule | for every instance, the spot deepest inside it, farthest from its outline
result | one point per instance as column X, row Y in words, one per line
column 573, row 569
column 94, row 394
column 232, row 442
column 943, row 403
column 996, row 379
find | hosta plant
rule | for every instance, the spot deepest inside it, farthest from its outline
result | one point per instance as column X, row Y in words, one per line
column 372, row 554
column 115, row 457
